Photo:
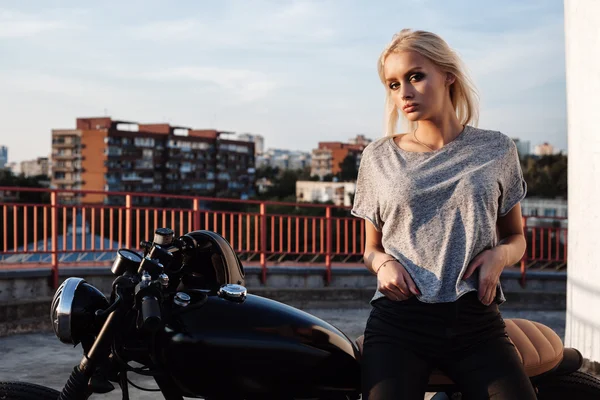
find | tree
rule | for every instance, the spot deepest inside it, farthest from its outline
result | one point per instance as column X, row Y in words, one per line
column 304, row 175
column 7, row 178
column 546, row 176
column 286, row 184
column 349, row 171
column 267, row 172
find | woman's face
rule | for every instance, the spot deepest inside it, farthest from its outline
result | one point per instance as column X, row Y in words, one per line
column 419, row 89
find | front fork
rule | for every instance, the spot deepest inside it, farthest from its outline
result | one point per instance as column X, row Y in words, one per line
column 76, row 387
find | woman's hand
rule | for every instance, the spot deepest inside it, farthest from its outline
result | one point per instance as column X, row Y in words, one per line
column 394, row 282
column 490, row 263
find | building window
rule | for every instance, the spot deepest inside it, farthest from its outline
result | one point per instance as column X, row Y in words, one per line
column 144, row 142
column 147, row 153
column 144, row 164
column 114, row 151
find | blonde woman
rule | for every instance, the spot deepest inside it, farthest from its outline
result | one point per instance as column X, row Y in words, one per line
column 442, row 202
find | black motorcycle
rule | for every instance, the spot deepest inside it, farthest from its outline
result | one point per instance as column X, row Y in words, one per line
column 181, row 313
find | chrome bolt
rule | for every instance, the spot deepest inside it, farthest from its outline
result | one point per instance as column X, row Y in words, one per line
column 182, row 299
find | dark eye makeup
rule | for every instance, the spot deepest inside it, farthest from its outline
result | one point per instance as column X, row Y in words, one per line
column 415, row 77
column 412, row 77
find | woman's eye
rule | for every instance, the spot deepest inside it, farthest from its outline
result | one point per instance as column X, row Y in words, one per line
column 416, row 77
column 394, row 85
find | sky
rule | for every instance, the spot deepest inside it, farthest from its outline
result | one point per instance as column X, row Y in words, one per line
column 296, row 72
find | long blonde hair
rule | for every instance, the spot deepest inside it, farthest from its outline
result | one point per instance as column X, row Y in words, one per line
column 463, row 94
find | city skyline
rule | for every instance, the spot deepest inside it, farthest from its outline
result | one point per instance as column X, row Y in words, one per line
column 295, row 72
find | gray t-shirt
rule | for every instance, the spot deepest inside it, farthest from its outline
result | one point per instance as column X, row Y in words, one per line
column 438, row 210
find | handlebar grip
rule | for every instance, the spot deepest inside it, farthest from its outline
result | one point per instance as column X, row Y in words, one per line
column 151, row 315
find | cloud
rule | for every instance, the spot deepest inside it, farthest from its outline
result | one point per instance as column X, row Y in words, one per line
column 167, row 31
column 241, row 27
column 16, row 24
column 245, row 84
column 83, row 91
column 298, row 20
column 295, row 71
column 529, row 58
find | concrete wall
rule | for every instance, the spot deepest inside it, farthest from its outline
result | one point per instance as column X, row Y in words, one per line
column 582, row 38
column 25, row 295
column 33, row 284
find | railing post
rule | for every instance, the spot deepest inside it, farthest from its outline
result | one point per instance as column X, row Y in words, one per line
column 128, row 232
column 196, row 207
column 54, row 235
column 263, row 242
column 524, row 258
column 328, row 246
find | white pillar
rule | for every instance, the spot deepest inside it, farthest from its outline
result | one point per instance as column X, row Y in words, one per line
column 582, row 39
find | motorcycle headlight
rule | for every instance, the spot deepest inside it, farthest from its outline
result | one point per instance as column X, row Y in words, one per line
column 73, row 310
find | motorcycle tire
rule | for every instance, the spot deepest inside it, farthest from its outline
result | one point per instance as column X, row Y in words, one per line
column 26, row 391
column 577, row 385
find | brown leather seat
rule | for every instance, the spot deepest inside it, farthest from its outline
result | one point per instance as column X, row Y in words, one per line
column 539, row 347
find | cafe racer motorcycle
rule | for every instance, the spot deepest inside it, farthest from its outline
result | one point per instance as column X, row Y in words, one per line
column 179, row 312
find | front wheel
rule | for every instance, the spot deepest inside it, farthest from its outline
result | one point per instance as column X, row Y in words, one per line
column 577, row 385
column 26, row 391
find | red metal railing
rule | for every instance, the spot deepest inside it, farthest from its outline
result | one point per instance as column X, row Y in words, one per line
column 255, row 233
column 257, row 230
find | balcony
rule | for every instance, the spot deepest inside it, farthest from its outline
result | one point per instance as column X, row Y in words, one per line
column 130, row 177
column 64, row 181
column 111, row 180
column 113, row 151
column 65, row 145
column 65, row 156
column 114, row 188
column 63, row 168
column 144, row 165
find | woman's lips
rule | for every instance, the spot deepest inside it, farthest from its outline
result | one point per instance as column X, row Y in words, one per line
column 410, row 108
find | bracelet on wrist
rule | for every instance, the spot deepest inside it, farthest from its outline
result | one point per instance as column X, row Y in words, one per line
column 383, row 263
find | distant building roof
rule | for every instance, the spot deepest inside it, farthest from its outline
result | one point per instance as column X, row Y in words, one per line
column 65, row 256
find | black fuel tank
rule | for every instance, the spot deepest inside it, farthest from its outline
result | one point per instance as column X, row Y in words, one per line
column 258, row 346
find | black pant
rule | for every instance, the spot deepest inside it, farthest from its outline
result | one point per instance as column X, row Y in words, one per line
column 405, row 340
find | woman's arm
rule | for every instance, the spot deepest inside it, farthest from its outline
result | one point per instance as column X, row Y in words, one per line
column 509, row 250
column 392, row 278
column 374, row 254
column 512, row 238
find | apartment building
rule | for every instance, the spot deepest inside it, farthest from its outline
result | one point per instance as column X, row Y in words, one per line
column 123, row 156
column 37, row 167
column 321, row 162
column 340, row 193
column 544, row 149
column 259, row 141
column 283, row 159
column 326, row 159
